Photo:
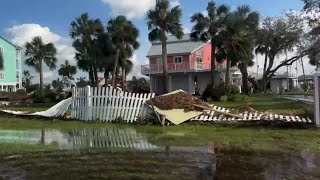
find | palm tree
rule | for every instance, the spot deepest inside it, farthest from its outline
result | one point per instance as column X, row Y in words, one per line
column 1, row 60
column 124, row 37
column 105, row 49
column 37, row 53
column 126, row 67
column 208, row 27
column 161, row 21
column 27, row 78
column 237, row 41
column 84, row 30
column 67, row 70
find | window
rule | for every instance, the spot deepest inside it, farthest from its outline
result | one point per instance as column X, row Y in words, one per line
column 178, row 60
column 159, row 60
column 17, row 64
column 1, row 75
column 199, row 59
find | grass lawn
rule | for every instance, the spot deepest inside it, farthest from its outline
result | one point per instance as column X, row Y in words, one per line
column 267, row 103
column 256, row 138
column 228, row 136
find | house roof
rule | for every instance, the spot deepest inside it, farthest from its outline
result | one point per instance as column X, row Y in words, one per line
column 308, row 77
column 17, row 47
column 283, row 76
column 176, row 46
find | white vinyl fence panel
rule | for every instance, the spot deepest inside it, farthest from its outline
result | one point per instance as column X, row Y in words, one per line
column 106, row 104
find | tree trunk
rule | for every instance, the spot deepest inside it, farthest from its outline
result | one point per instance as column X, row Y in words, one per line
column 213, row 62
column 123, row 79
column 96, row 76
column 244, row 73
column 106, row 77
column 41, row 76
column 164, row 63
column 115, row 67
column 266, row 78
column 264, row 83
column 227, row 78
column 304, row 74
column 91, row 77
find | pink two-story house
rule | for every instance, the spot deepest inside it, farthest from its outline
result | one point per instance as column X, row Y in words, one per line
column 189, row 65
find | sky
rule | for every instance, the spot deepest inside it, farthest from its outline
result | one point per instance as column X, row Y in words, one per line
column 22, row 20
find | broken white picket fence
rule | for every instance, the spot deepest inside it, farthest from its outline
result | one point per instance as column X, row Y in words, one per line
column 107, row 104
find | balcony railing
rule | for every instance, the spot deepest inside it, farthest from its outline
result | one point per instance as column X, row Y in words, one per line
column 183, row 67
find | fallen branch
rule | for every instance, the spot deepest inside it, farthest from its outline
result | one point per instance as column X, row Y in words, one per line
column 221, row 112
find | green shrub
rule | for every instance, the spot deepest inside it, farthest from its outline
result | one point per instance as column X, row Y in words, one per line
column 244, row 98
column 234, row 97
column 46, row 96
column 213, row 93
column 232, row 89
column 223, row 98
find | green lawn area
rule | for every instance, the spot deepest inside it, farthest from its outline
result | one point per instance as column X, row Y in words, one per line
column 227, row 135
column 28, row 107
column 269, row 103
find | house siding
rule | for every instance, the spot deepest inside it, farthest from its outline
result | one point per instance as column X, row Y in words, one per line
column 12, row 66
column 9, row 54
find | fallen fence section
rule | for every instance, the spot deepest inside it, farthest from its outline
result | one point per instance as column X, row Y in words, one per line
column 107, row 104
column 57, row 110
column 248, row 116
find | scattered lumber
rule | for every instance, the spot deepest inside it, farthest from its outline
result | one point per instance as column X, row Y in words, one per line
column 221, row 112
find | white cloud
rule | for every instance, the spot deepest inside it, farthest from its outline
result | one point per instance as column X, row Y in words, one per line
column 130, row 8
column 174, row 3
column 23, row 33
column 20, row 34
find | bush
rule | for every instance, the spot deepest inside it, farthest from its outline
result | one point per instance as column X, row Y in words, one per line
column 213, row 93
column 244, row 98
column 304, row 87
column 46, row 96
column 223, row 98
column 232, row 89
column 234, row 97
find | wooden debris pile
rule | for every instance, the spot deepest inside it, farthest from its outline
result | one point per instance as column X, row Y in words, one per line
column 179, row 100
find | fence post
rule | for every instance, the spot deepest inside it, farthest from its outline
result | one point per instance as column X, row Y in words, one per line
column 89, row 103
column 317, row 97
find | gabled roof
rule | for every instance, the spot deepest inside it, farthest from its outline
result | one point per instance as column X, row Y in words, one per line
column 17, row 47
column 176, row 46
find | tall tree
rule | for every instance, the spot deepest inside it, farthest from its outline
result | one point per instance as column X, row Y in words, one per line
column 124, row 37
column 67, row 70
column 37, row 53
column 250, row 23
column 126, row 67
column 281, row 35
column 106, row 53
column 161, row 21
column 84, row 31
column 314, row 24
column 208, row 27
column 236, row 42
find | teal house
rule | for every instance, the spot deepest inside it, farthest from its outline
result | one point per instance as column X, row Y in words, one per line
column 11, row 73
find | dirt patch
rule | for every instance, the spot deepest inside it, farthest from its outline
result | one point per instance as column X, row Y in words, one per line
column 180, row 100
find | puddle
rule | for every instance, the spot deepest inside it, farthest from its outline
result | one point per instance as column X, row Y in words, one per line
column 79, row 138
column 126, row 154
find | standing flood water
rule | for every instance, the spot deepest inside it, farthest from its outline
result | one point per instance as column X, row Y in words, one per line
column 118, row 153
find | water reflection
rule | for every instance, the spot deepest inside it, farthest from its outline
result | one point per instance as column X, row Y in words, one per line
column 207, row 162
column 79, row 138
